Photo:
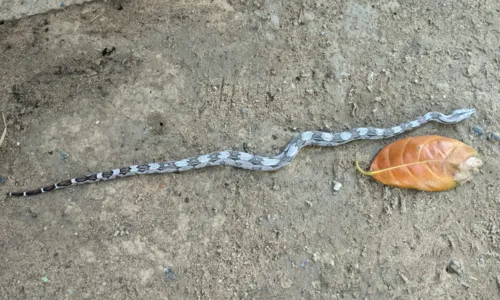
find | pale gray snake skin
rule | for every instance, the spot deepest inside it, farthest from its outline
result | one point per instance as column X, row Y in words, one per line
column 254, row 162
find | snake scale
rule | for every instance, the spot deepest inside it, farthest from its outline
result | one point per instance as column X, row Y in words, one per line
column 253, row 162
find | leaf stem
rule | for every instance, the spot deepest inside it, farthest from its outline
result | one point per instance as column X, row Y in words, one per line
column 368, row 173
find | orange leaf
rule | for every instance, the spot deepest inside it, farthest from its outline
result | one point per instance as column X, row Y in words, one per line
column 428, row 163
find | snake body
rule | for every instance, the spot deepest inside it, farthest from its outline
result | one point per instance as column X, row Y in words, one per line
column 253, row 162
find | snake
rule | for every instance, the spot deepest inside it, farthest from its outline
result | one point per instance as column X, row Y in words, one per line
column 253, row 162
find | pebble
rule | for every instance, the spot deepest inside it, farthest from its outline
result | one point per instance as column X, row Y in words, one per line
column 337, row 186
column 63, row 155
column 304, row 263
column 3, row 179
column 454, row 266
column 275, row 20
column 478, row 130
column 169, row 274
column 494, row 136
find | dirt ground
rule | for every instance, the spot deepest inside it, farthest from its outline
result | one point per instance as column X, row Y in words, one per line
column 106, row 85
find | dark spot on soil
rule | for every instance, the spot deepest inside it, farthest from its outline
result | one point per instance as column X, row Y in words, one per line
column 16, row 93
column 161, row 123
column 107, row 52
column 102, row 91
column 270, row 97
column 33, row 214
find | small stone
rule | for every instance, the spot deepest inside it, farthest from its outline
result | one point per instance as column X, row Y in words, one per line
column 169, row 273
column 63, row 155
column 3, row 179
column 316, row 256
column 493, row 136
column 275, row 20
column 116, row 233
column 477, row 130
column 337, row 186
column 454, row 267
column 304, row 263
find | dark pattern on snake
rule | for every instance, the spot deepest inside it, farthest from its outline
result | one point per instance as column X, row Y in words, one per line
column 253, row 162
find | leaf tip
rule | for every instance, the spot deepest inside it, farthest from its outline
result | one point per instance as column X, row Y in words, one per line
column 467, row 169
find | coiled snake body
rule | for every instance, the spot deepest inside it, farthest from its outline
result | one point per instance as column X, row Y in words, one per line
column 253, row 162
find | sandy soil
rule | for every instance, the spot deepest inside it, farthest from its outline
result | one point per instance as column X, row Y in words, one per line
column 106, row 85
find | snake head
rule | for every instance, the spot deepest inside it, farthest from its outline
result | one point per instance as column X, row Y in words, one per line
column 458, row 115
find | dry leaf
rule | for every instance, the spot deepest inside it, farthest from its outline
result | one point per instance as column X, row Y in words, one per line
column 428, row 163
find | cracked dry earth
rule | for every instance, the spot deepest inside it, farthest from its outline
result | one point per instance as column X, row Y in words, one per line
column 113, row 83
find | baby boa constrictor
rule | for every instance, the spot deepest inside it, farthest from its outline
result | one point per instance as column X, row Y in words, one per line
column 256, row 162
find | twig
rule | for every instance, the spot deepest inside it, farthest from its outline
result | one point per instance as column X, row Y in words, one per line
column 4, row 129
